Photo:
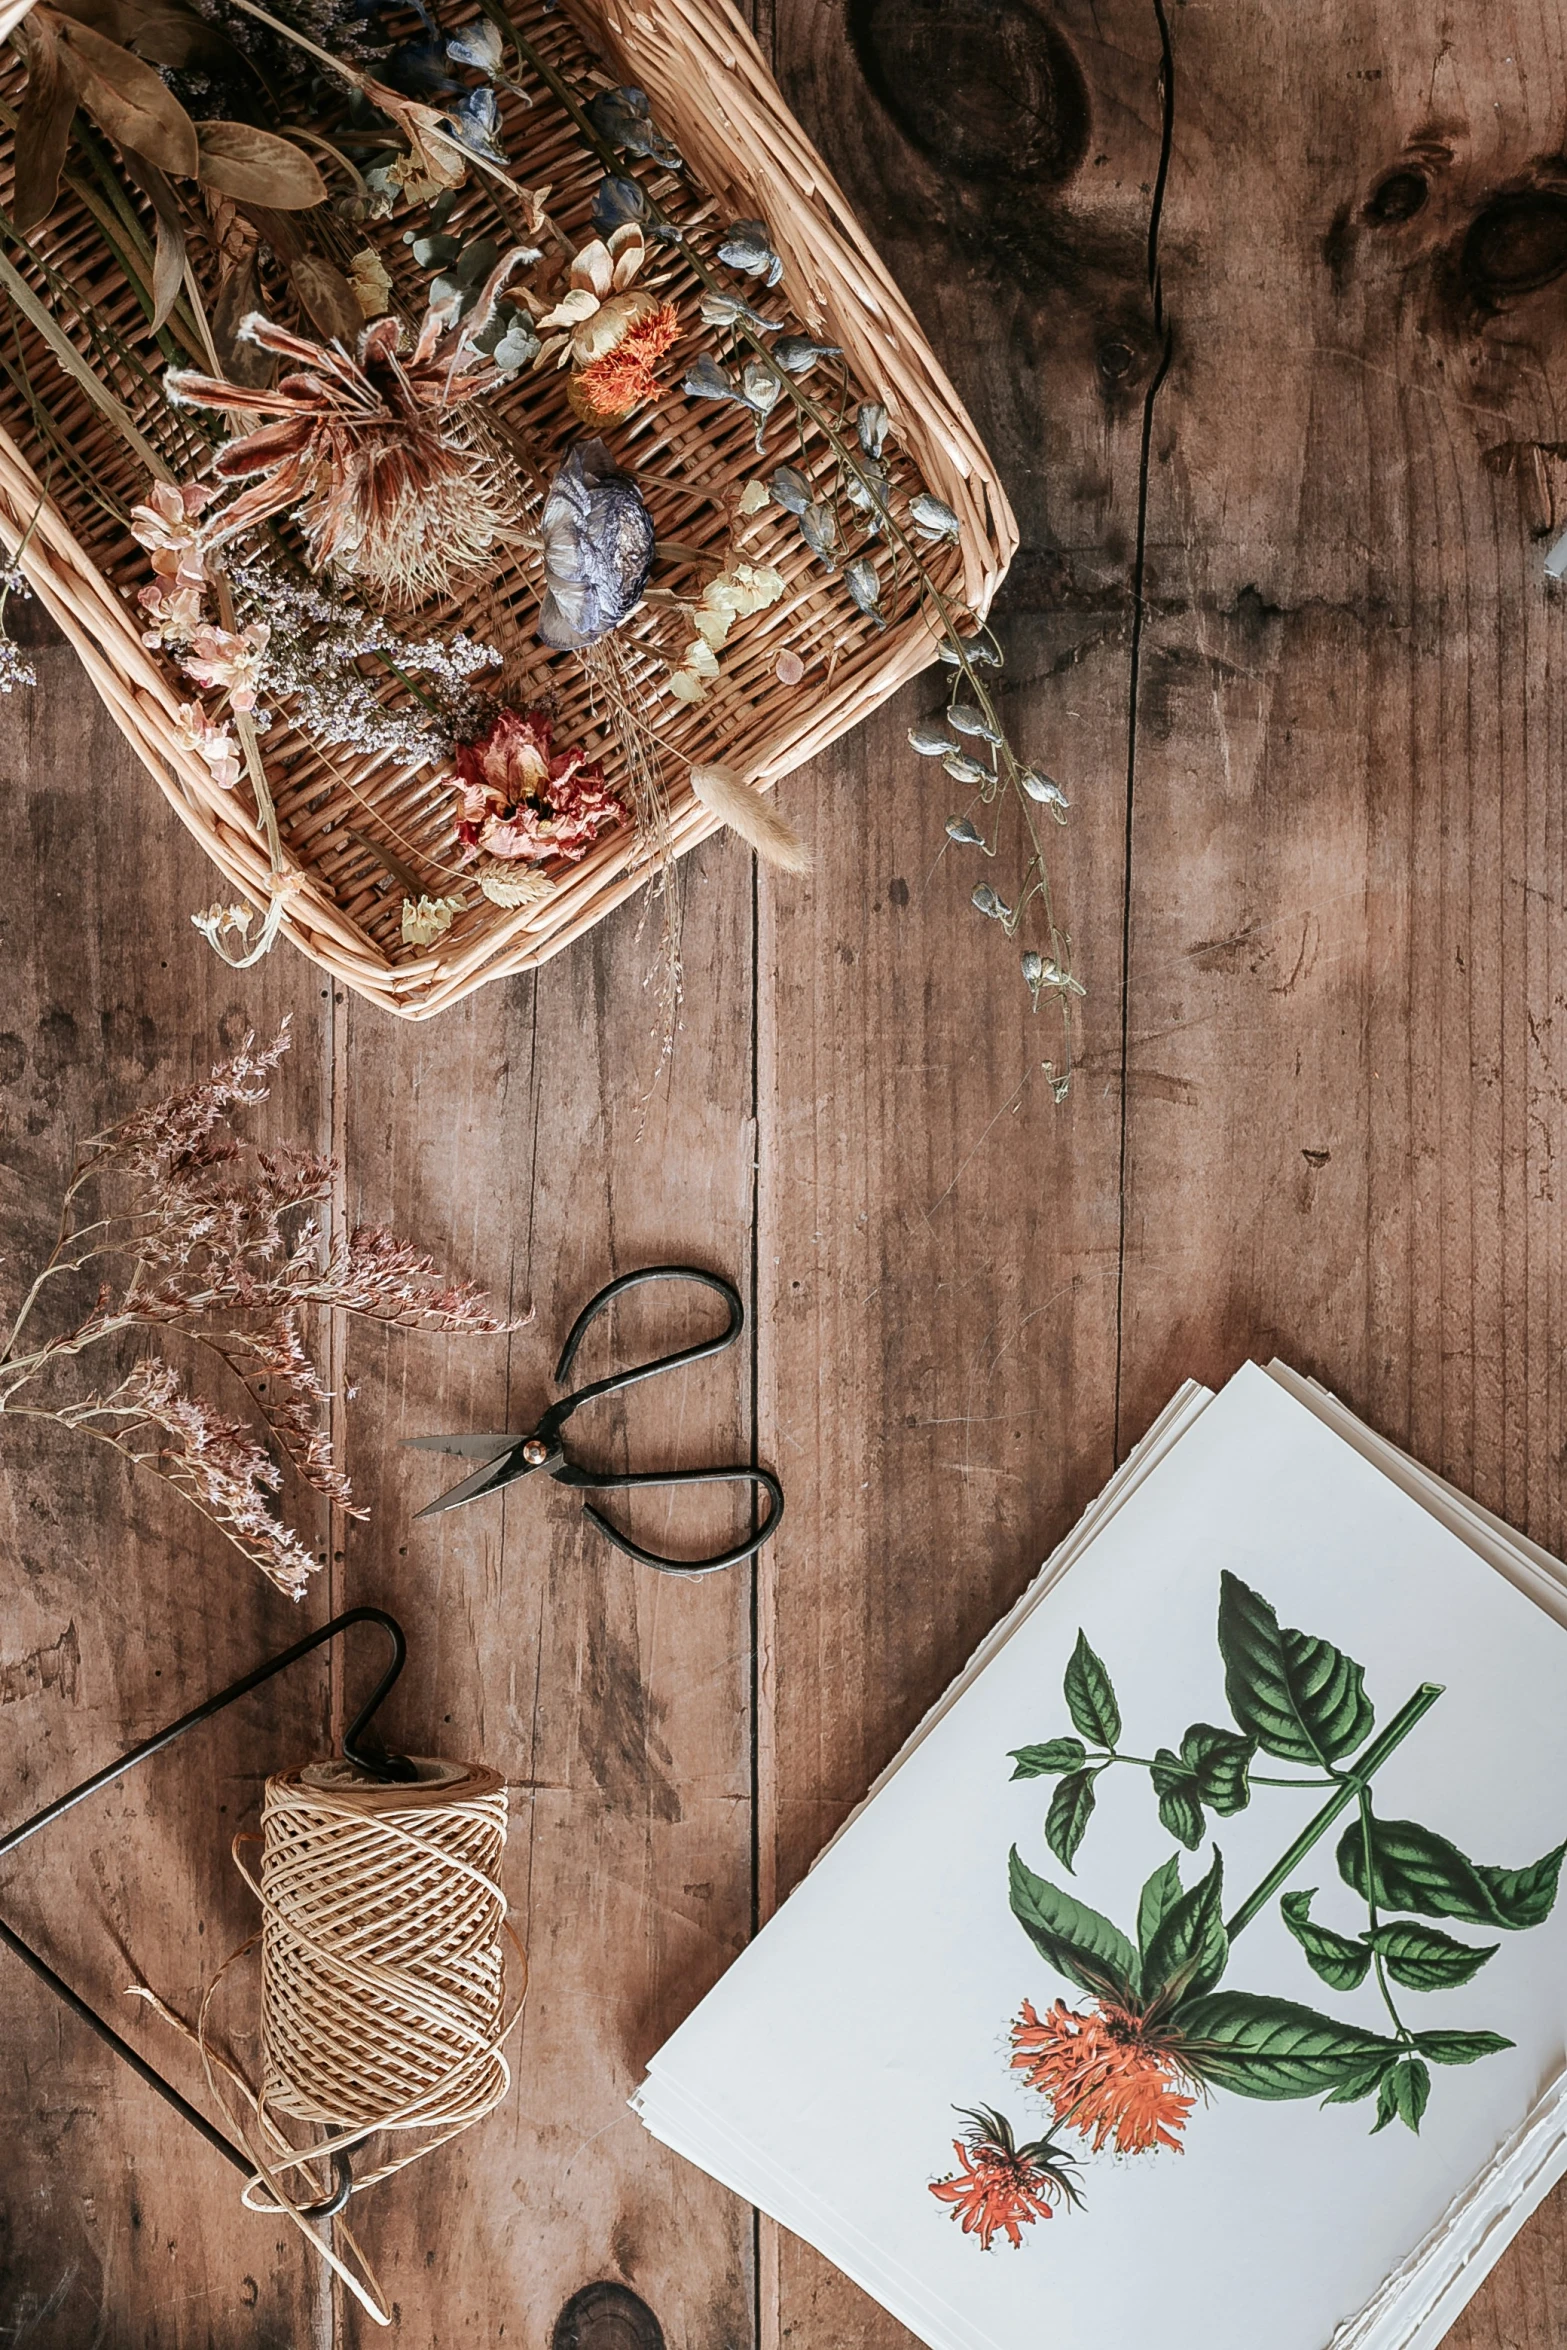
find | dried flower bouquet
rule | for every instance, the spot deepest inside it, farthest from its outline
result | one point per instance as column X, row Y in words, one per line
column 475, row 480
column 192, row 1240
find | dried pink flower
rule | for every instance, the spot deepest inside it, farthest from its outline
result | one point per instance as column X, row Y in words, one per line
column 168, row 527
column 520, row 798
column 212, row 740
column 219, row 658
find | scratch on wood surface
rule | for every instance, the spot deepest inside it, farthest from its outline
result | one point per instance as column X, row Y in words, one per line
column 55, row 1667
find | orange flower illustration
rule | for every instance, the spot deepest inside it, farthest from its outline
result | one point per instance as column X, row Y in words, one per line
column 1001, row 2187
column 1110, row 2074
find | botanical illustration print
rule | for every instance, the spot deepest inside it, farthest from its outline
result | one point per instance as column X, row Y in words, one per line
column 1160, row 2028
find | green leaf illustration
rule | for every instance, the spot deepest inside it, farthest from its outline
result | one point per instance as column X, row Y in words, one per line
column 1300, row 1698
column 1180, row 1813
column 1272, row 2048
column 1424, row 1960
column 1402, row 2095
column 1341, row 1963
column 1092, row 1953
column 1210, row 1769
column 1414, row 1868
column 1090, row 1698
column 1158, row 1897
column 1071, row 1809
column 1460, row 2047
column 1190, row 1949
column 1044, row 1762
column 1359, row 2081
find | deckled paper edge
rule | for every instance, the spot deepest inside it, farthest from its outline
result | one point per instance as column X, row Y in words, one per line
column 1415, row 2305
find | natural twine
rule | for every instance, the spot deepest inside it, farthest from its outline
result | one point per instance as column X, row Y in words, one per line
column 383, row 1994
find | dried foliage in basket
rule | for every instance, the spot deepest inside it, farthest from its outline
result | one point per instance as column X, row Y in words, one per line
column 472, row 456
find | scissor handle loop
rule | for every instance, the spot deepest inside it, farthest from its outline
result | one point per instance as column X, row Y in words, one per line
column 629, row 1480
column 606, row 1297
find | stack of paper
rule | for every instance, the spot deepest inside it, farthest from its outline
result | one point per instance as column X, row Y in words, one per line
column 1195, row 1975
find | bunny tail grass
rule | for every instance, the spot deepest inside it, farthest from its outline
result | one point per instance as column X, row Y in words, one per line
column 754, row 816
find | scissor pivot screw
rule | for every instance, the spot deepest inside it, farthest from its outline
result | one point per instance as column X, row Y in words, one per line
column 535, row 1453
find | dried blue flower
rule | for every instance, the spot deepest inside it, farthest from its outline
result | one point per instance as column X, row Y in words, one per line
column 960, row 829
column 476, row 124
column 479, row 45
column 859, row 577
column 598, row 549
column 968, row 718
column 748, row 248
column 731, row 309
column 790, row 490
column 795, row 354
column 1042, row 788
column 963, row 769
column 931, row 742
column 979, row 652
column 868, row 488
column 819, row 529
column 871, row 425
column 418, row 69
column 933, row 519
column 706, row 380
column 623, row 118
column 986, row 901
column 617, row 202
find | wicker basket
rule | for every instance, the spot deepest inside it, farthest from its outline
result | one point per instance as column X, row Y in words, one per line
column 350, row 825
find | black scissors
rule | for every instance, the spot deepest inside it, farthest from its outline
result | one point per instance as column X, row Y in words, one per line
column 508, row 1457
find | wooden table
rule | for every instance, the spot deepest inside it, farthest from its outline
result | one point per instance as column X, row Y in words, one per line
column 1281, row 623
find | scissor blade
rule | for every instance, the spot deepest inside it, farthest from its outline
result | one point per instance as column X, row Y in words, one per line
column 488, row 1479
column 478, row 1448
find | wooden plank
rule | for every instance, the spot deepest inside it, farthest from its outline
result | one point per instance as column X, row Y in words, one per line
column 615, row 1699
column 938, row 1242
column 1345, row 1069
column 121, row 1608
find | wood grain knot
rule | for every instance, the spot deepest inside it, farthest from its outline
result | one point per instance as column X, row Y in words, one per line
column 1516, row 245
column 606, row 2316
column 986, row 91
column 1399, row 197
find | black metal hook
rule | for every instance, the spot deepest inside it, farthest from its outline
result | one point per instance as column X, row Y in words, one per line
column 394, row 1768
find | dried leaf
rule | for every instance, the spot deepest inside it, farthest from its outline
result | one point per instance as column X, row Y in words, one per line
column 238, row 297
column 43, row 125
column 168, row 260
column 327, row 296
column 754, row 497
column 371, row 284
column 129, row 100
column 257, row 167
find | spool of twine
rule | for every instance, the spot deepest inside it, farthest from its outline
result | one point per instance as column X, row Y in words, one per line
column 383, row 1983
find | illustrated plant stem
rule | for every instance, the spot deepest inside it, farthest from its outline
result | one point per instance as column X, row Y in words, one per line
column 1145, row 1762
column 1371, row 1907
column 1352, row 1788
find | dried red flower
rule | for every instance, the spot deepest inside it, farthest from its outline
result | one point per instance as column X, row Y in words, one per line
column 1000, row 2188
column 523, row 799
column 1108, row 2074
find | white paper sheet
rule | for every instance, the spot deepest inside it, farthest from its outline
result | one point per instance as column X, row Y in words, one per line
column 818, row 2079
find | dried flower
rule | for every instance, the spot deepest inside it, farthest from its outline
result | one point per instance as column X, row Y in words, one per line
column 176, row 613
column 427, row 919
column 219, row 658
column 168, row 526
column 1109, row 2074
column 371, row 283
column 225, row 1252
column 520, row 799
column 609, row 388
column 212, row 741
column 736, row 593
column 1000, row 2187
column 368, row 452
column 598, row 548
